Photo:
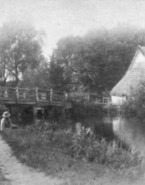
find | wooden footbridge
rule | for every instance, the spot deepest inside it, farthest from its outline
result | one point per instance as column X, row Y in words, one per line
column 33, row 96
column 41, row 97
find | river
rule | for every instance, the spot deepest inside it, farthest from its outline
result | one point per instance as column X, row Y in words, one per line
column 131, row 131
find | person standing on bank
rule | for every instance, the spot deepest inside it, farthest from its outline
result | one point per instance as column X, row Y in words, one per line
column 5, row 121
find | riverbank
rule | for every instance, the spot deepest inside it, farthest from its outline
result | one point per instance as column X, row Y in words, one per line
column 20, row 174
column 56, row 152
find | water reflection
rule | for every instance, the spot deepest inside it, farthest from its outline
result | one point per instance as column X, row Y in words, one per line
column 101, row 127
column 131, row 131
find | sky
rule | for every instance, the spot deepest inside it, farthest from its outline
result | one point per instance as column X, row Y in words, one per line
column 61, row 18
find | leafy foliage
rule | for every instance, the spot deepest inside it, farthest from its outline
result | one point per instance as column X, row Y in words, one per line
column 20, row 48
column 36, row 77
column 58, row 80
column 91, row 63
column 96, row 61
column 135, row 105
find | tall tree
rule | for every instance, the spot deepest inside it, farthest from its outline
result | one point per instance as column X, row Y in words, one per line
column 58, row 77
column 38, row 77
column 20, row 48
column 98, row 60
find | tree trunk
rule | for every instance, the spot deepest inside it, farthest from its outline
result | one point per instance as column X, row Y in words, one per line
column 16, row 72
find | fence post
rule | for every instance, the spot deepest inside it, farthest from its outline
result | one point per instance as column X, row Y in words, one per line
column 88, row 96
column 51, row 95
column 36, row 93
column 6, row 92
column 17, row 93
column 65, row 97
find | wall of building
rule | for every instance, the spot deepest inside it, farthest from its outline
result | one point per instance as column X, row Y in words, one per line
column 118, row 100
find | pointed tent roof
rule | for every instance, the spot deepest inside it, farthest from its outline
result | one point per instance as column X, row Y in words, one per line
column 134, row 76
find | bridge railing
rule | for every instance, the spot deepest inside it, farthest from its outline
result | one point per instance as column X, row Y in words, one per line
column 8, row 93
column 31, row 95
column 44, row 96
column 25, row 95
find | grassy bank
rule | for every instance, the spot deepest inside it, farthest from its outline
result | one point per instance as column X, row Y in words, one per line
column 55, row 150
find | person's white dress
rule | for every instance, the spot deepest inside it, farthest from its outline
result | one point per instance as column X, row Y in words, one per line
column 4, row 121
column 2, row 126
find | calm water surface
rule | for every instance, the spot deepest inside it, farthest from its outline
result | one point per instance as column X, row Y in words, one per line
column 130, row 131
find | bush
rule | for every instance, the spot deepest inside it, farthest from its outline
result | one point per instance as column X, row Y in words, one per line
column 135, row 105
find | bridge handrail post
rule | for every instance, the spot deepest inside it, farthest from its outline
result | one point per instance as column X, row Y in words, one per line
column 17, row 93
column 36, row 93
column 65, row 96
column 5, row 92
column 88, row 97
column 51, row 95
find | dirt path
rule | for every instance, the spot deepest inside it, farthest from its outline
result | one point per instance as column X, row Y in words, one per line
column 19, row 174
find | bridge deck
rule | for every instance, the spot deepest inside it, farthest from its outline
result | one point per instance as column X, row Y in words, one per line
column 43, row 97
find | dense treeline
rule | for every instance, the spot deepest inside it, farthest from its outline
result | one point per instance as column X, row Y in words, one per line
column 94, row 62
column 20, row 50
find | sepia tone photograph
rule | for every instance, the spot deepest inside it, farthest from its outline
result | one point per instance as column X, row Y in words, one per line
column 72, row 92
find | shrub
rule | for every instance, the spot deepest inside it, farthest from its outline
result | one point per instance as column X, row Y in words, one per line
column 135, row 105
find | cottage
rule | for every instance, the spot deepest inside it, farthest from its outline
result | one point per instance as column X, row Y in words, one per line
column 131, row 81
